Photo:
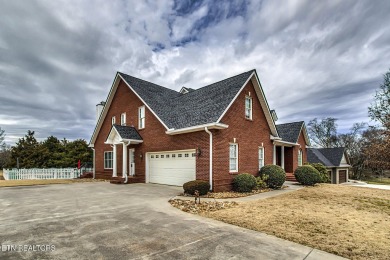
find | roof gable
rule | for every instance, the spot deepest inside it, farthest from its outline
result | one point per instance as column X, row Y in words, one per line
column 202, row 106
column 290, row 132
column 331, row 157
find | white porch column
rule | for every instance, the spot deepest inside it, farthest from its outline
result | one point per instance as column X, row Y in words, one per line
column 124, row 164
column 114, row 168
column 282, row 157
column 274, row 155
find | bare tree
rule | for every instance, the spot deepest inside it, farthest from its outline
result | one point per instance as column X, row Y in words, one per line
column 2, row 136
column 380, row 109
column 323, row 133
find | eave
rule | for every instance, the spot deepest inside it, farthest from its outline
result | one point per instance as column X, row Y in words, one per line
column 196, row 128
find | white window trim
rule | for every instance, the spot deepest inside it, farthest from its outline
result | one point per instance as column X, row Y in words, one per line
column 139, row 117
column 236, row 170
column 113, row 120
column 104, row 159
column 261, row 148
column 123, row 115
column 251, row 107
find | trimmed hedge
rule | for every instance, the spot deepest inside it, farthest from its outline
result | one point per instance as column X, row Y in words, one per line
column 244, row 182
column 273, row 175
column 307, row 175
column 322, row 170
column 202, row 186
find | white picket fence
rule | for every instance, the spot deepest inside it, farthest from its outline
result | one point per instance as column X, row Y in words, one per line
column 41, row 174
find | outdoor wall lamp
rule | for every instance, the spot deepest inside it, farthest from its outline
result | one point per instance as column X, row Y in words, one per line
column 198, row 151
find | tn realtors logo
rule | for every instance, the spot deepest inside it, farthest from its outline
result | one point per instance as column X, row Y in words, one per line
column 27, row 248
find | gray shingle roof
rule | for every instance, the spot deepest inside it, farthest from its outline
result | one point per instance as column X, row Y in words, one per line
column 290, row 132
column 201, row 106
column 330, row 157
column 127, row 132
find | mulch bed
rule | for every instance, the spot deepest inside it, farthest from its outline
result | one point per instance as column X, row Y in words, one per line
column 230, row 194
column 204, row 206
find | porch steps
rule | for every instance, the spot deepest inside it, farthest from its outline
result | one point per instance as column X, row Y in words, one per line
column 290, row 177
column 131, row 179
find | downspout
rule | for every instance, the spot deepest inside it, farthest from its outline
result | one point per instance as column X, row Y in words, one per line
column 211, row 157
column 93, row 149
column 124, row 175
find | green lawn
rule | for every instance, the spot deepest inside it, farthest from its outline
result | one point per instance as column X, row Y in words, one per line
column 381, row 181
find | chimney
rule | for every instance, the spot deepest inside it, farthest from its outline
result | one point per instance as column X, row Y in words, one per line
column 99, row 109
column 274, row 116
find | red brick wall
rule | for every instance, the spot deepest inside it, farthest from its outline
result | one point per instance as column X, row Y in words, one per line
column 153, row 135
column 249, row 134
column 301, row 141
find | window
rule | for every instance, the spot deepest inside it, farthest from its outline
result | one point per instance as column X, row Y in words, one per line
column 300, row 157
column 186, row 155
column 108, row 160
column 173, row 155
column 167, row 156
column 233, row 157
column 157, row 156
column 162, row 156
column 123, row 119
column 248, row 108
column 113, row 120
column 141, row 117
column 179, row 155
column 261, row 157
column 152, row 156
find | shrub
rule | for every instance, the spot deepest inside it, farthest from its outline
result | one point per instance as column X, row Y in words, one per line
column 307, row 175
column 261, row 183
column 244, row 182
column 322, row 171
column 202, row 186
column 274, row 175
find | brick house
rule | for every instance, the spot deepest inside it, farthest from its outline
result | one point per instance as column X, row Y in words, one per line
column 149, row 133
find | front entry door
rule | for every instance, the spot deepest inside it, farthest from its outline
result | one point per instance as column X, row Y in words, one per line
column 131, row 162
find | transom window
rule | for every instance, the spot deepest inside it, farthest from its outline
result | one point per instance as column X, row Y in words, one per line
column 123, row 119
column 261, row 157
column 141, row 117
column 108, row 160
column 248, row 107
column 113, row 120
column 233, row 157
column 300, row 157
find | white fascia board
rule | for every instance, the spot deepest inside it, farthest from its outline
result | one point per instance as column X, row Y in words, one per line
column 196, row 128
column 234, row 99
column 143, row 101
column 265, row 106
column 133, row 141
column 91, row 145
column 262, row 100
column 285, row 143
column 305, row 135
column 275, row 138
column 105, row 109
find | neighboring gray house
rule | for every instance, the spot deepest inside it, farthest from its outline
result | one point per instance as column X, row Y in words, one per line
column 335, row 160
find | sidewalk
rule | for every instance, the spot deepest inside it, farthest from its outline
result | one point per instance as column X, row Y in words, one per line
column 292, row 186
column 366, row 185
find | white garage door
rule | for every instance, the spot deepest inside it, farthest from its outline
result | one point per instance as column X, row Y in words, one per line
column 172, row 168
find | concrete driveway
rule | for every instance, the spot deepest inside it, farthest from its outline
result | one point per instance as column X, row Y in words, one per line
column 105, row 221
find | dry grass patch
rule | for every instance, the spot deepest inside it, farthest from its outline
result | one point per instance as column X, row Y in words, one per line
column 230, row 194
column 13, row 183
column 352, row 222
column 204, row 206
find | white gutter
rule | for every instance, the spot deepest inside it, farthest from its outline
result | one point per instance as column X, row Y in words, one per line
column 93, row 149
column 124, row 159
column 285, row 142
column 211, row 157
column 173, row 131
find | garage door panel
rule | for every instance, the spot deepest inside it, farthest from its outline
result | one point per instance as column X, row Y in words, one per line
column 169, row 168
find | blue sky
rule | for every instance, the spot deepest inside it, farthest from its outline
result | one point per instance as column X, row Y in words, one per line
column 314, row 58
